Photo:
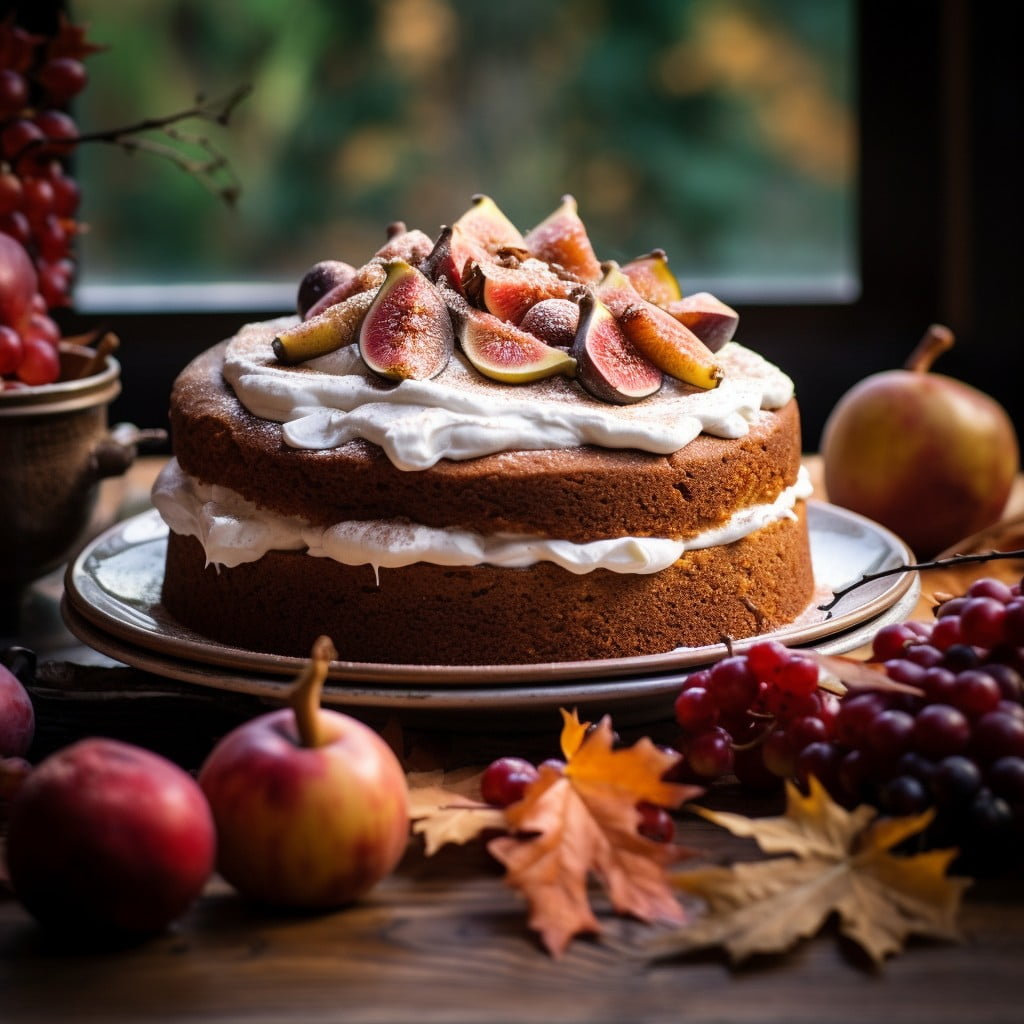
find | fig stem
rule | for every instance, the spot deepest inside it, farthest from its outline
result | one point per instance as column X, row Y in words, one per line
column 937, row 339
column 304, row 696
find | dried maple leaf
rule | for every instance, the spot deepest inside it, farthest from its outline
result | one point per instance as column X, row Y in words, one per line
column 581, row 822
column 842, row 863
column 443, row 809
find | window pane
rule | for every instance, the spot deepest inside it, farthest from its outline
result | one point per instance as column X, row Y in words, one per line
column 722, row 131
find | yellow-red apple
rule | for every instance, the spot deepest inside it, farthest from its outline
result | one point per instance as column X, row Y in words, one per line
column 926, row 455
column 311, row 805
column 108, row 837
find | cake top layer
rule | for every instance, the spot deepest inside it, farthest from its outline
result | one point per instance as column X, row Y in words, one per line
column 329, row 401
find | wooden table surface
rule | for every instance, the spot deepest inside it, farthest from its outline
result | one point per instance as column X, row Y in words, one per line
column 443, row 939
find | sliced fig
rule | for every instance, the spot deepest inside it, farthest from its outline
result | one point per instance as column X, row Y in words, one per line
column 501, row 351
column 554, row 321
column 652, row 277
column 321, row 279
column 407, row 331
column 480, row 233
column 332, row 329
column 616, row 290
column 609, row 365
column 708, row 317
column 486, row 225
column 669, row 345
column 562, row 238
column 508, row 292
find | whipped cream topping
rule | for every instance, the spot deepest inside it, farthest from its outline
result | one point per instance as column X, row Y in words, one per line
column 329, row 401
column 233, row 530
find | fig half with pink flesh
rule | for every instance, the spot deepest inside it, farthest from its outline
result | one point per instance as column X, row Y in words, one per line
column 407, row 332
column 561, row 238
column 508, row 292
column 609, row 365
column 501, row 351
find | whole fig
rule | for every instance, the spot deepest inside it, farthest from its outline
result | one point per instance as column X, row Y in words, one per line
column 929, row 457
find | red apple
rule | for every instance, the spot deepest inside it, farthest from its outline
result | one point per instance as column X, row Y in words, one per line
column 17, row 718
column 107, row 837
column 18, row 282
column 926, row 455
column 311, row 805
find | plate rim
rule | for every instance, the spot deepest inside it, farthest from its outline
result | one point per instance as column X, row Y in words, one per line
column 79, row 583
column 636, row 695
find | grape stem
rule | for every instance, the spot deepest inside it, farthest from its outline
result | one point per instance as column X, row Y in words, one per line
column 938, row 563
column 204, row 169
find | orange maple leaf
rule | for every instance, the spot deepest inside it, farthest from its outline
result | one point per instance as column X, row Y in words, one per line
column 581, row 822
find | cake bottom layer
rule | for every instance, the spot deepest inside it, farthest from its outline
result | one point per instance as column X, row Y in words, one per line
column 435, row 615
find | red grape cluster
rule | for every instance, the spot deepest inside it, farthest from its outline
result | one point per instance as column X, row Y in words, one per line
column 751, row 714
column 955, row 745
column 39, row 76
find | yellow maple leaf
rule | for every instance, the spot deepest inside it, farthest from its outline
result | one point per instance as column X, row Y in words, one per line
column 581, row 822
column 443, row 809
column 841, row 863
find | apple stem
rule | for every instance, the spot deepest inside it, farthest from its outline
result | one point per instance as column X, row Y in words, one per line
column 937, row 339
column 304, row 696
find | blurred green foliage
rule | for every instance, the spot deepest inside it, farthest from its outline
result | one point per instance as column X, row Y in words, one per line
column 719, row 130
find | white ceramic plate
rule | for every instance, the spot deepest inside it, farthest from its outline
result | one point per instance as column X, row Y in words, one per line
column 113, row 603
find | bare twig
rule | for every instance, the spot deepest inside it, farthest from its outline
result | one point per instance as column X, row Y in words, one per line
column 938, row 563
column 133, row 138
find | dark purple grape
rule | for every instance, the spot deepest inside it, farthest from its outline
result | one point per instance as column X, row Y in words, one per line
column 955, row 780
column 940, row 730
column 889, row 735
column 959, row 657
column 913, row 763
column 904, row 794
column 821, row 760
column 998, row 734
column 1005, row 777
column 991, row 815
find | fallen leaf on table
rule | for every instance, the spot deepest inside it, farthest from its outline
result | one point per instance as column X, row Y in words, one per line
column 446, row 808
column 581, row 822
column 841, row 863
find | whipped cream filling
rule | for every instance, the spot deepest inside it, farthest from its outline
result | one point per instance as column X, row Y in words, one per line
column 334, row 399
column 233, row 530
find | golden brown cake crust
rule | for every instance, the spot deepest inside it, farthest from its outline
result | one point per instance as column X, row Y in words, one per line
column 427, row 614
column 580, row 494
